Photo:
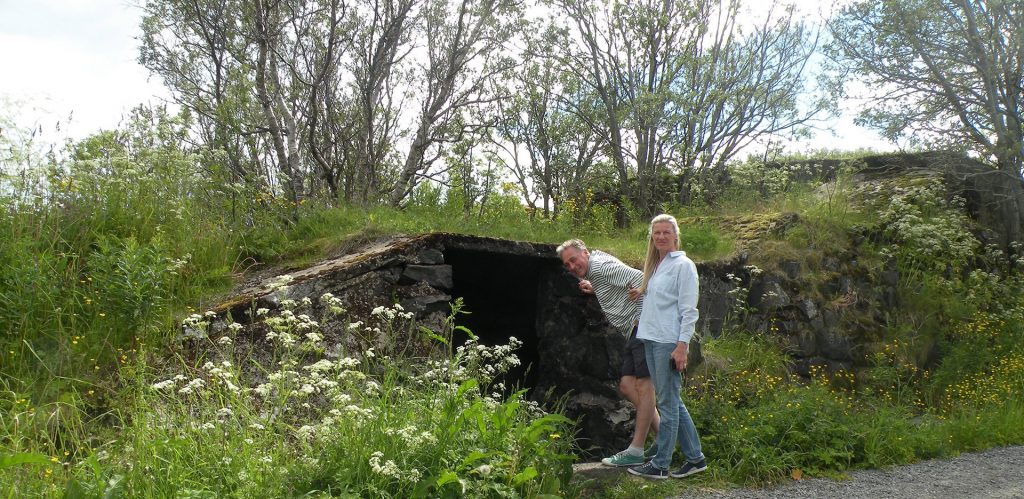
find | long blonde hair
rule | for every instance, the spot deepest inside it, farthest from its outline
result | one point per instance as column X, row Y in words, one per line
column 653, row 258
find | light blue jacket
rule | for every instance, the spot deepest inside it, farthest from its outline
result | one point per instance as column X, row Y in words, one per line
column 670, row 303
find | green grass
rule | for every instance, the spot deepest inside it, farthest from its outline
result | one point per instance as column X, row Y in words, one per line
column 759, row 425
column 96, row 276
column 367, row 426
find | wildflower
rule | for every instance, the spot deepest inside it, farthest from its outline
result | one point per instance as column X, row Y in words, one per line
column 322, row 365
column 192, row 386
column 192, row 320
column 264, row 390
column 306, row 432
column 281, row 281
column 389, row 468
column 163, row 385
column 225, row 340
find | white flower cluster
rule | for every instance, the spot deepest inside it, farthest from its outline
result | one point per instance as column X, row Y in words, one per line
column 485, row 363
column 412, row 436
column 168, row 383
column 926, row 231
column 396, row 311
column 473, row 362
column 222, row 374
column 195, row 321
column 192, row 387
column 281, row 281
column 177, row 264
column 332, row 303
column 315, row 399
column 287, row 328
column 390, row 469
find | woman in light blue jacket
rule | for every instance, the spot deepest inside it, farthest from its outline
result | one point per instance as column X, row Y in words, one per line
column 670, row 288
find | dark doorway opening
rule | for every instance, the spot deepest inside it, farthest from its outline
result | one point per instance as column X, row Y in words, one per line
column 570, row 354
column 500, row 293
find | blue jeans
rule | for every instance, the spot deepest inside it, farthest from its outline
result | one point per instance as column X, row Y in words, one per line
column 675, row 419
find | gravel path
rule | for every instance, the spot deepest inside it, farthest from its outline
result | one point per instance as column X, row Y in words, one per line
column 995, row 473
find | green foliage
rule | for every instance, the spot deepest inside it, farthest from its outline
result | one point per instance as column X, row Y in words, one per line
column 102, row 249
column 130, row 281
column 366, row 425
column 925, row 232
column 926, row 64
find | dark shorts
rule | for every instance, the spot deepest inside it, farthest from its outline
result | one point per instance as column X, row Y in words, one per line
column 634, row 362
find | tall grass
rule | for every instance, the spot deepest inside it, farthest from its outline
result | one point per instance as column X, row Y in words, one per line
column 104, row 252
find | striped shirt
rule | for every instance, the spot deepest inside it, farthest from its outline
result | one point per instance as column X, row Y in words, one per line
column 611, row 279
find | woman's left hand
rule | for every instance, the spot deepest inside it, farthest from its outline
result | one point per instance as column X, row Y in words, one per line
column 679, row 356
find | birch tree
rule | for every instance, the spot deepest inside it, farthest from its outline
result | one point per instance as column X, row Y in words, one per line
column 684, row 86
column 944, row 73
column 464, row 41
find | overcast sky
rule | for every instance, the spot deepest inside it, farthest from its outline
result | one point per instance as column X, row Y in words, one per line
column 77, row 59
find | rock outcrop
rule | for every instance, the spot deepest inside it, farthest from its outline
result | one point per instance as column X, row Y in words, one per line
column 570, row 353
column 828, row 308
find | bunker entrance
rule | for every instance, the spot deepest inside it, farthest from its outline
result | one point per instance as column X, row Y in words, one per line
column 570, row 354
column 500, row 292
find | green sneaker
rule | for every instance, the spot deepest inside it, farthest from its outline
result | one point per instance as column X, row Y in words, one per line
column 651, row 451
column 623, row 459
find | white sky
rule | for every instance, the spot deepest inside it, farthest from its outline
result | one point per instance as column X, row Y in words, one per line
column 72, row 58
column 76, row 59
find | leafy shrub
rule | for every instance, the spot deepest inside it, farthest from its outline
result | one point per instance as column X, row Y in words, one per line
column 926, row 232
column 367, row 425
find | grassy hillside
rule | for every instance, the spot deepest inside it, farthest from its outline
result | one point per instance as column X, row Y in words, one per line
column 103, row 260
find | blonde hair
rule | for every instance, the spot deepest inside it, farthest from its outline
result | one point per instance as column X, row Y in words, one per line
column 653, row 258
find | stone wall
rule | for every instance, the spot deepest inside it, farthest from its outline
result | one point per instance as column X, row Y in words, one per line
column 521, row 289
